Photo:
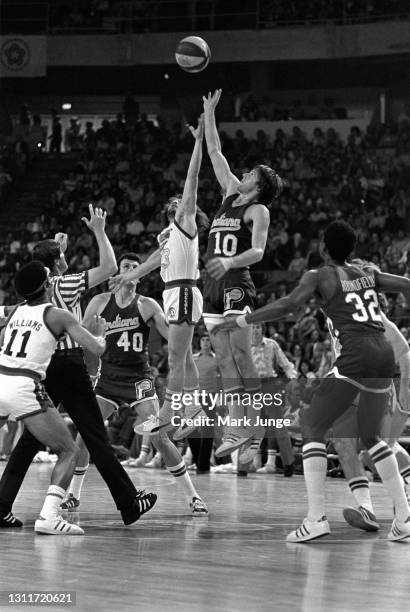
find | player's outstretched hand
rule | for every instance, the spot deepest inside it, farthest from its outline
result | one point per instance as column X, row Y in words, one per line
column 217, row 267
column 97, row 326
column 96, row 222
column 115, row 283
column 198, row 133
column 228, row 323
column 61, row 240
column 211, row 100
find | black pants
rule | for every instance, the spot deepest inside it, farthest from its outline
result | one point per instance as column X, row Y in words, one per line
column 201, row 443
column 68, row 383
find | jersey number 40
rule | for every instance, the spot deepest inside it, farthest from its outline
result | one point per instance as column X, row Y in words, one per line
column 133, row 341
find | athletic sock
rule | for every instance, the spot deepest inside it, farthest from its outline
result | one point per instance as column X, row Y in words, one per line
column 55, row 496
column 180, row 472
column 405, row 474
column 77, row 481
column 271, row 458
column 386, row 465
column 359, row 486
column 314, row 468
column 144, row 452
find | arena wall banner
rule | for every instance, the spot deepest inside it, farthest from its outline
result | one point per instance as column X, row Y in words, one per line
column 23, row 56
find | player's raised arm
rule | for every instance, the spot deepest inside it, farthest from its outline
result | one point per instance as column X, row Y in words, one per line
column 149, row 265
column 391, row 283
column 92, row 312
column 108, row 265
column 226, row 178
column 308, row 284
column 186, row 210
column 260, row 218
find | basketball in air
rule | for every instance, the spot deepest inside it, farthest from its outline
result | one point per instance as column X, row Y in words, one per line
column 192, row 54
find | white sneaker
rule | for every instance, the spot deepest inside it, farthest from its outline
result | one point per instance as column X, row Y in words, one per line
column 309, row 530
column 399, row 531
column 128, row 462
column 361, row 518
column 266, row 469
column 184, row 430
column 224, row 468
column 152, row 426
column 56, row 526
column 198, row 507
column 155, row 463
column 233, row 440
column 249, row 450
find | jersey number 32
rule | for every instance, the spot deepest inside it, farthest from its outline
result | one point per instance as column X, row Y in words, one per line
column 366, row 309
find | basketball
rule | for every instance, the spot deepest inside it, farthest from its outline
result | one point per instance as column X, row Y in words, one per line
column 192, row 54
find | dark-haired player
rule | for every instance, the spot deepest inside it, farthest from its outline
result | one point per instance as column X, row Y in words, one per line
column 126, row 374
column 237, row 240
column 28, row 342
column 365, row 363
column 68, row 383
column 345, row 433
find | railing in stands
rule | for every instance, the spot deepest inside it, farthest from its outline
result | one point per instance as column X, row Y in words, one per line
column 58, row 17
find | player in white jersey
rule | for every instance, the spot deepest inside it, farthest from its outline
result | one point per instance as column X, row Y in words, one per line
column 28, row 342
column 178, row 258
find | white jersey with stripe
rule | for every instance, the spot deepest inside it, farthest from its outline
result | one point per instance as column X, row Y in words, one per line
column 28, row 342
column 67, row 292
column 179, row 254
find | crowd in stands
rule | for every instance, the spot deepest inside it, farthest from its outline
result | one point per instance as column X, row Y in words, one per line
column 172, row 15
column 131, row 165
column 251, row 107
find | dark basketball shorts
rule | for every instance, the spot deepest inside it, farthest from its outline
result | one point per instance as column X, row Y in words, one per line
column 233, row 294
column 365, row 366
column 118, row 389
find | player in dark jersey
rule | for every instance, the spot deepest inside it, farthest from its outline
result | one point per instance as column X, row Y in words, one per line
column 126, row 375
column 237, row 240
column 365, row 363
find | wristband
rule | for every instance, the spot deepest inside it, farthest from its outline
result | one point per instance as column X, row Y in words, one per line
column 241, row 321
column 227, row 263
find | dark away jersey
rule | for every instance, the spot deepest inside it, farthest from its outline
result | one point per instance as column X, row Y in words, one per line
column 229, row 235
column 127, row 339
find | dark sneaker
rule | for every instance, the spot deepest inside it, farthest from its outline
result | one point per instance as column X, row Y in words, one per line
column 143, row 502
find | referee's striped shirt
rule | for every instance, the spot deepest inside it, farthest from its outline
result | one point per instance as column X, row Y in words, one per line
column 67, row 292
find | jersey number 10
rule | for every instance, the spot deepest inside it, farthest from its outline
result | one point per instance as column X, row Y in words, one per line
column 229, row 244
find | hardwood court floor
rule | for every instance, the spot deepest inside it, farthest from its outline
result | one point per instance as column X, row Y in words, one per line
column 236, row 560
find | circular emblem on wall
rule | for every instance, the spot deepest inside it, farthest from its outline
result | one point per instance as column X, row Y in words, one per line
column 15, row 54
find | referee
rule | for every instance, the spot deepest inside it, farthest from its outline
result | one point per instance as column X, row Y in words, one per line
column 68, row 383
